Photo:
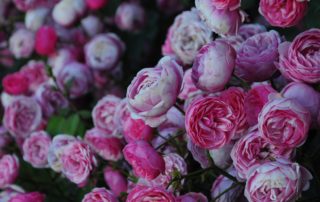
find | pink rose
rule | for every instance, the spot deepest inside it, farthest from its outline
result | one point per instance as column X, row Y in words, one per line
column 154, row 91
column 121, row 114
column 130, row 16
column 28, row 197
column 284, row 122
column 136, row 129
column 35, row 18
column 283, row 13
column 46, row 39
column 107, row 146
column 248, row 30
column 188, row 88
column 66, row 12
column 36, row 73
column 96, row 4
column 78, row 161
column 192, row 197
column 35, row 149
column 143, row 193
column 92, row 25
column 210, row 122
column 145, row 160
column 299, row 60
column 99, row 195
column 226, row 4
column 233, row 40
column 255, row 99
column 15, row 84
column 22, row 116
column 103, row 114
column 115, row 180
column 277, row 181
column 9, row 170
column 209, row 76
column 21, row 43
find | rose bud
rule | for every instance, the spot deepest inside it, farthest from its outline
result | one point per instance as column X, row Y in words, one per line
column 21, row 43
column 221, row 157
column 9, row 170
column 192, row 197
column 188, row 88
column 66, row 12
column 256, row 57
column 299, row 60
column 107, row 146
column 130, row 16
column 103, row 114
column 35, row 149
column 145, row 160
column 252, row 150
column 248, row 30
column 283, row 122
column 104, row 51
column 199, row 154
column 35, row 18
column 221, row 21
column 209, row 76
column 77, row 161
column 92, row 25
column 99, row 195
column 36, row 73
column 278, row 180
column 255, row 99
column 96, row 4
column 15, row 84
column 46, row 39
column 154, row 91
column 28, row 197
column 144, row 193
column 115, row 180
column 186, row 26
column 75, row 79
column 281, row 13
column 136, row 129
column 22, row 116
column 211, row 123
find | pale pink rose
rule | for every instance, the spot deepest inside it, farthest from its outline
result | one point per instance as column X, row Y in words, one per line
column 188, row 88
column 211, row 122
column 278, row 180
column 78, row 161
column 255, row 99
column 284, row 122
column 252, row 150
column 226, row 4
column 209, row 76
column 199, row 154
column 107, row 146
column 35, row 18
column 145, row 160
column 234, row 40
column 283, row 13
column 21, row 43
column 221, row 157
column 192, row 197
column 144, row 193
column 22, row 116
column 28, row 197
column 9, row 170
column 121, row 114
column 61, row 58
column 100, row 195
column 300, row 60
column 248, row 30
column 36, row 74
column 115, row 180
column 103, row 114
column 136, row 129
column 35, row 149
column 154, row 91
column 92, row 25
column 130, row 16
column 66, row 12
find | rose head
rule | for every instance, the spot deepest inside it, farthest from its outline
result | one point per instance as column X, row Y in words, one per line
column 46, row 39
column 99, row 195
column 188, row 88
column 21, row 43
column 143, row 193
column 96, row 4
column 35, row 18
column 16, row 84
column 130, row 16
column 115, row 180
column 35, row 71
column 248, row 30
column 136, row 129
column 9, row 170
column 66, row 12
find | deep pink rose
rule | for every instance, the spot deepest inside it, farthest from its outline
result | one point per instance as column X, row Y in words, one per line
column 36, row 73
column 284, row 122
column 248, row 30
column 210, row 122
column 300, row 60
column 143, row 193
column 145, row 160
column 15, row 84
column 100, row 195
column 9, row 170
column 278, row 180
column 46, row 39
column 130, row 16
column 136, row 129
column 192, row 197
column 115, row 180
column 96, row 4
column 283, row 13
column 188, row 88
column 28, row 197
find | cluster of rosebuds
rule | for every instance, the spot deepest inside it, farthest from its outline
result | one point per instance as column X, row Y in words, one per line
column 235, row 99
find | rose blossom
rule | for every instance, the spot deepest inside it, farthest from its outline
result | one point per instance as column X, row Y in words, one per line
column 234, row 40
column 248, row 30
column 36, row 74
column 221, row 157
column 104, row 51
column 130, row 16
column 46, row 39
column 210, row 122
column 9, row 170
column 26, row 5
column 300, row 60
column 35, row 18
column 61, row 58
column 107, row 146
column 188, row 88
column 256, row 56
column 154, row 91
column 96, row 4
column 100, row 195
column 136, row 129
column 21, row 43
column 28, row 197
column 209, row 76
column 77, row 162
column 144, row 193
column 192, row 197
column 35, row 149
column 67, row 12
column 121, row 114
column 115, row 180
column 15, row 84
column 145, row 160
column 92, row 25
column 284, row 122
column 283, row 13
column 278, row 180
column 22, row 116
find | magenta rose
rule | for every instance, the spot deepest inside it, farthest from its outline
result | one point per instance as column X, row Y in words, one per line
column 283, row 13
column 145, row 160
column 136, row 129
column 9, row 170
column 278, row 180
column 130, row 16
column 36, row 73
column 284, row 122
column 115, row 180
column 46, row 41
column 210, row 122
column 28, row 197
column 299, row 60
column 99, row 195
column 144, row 193
column 212, row 77
column 35, row 149
column 15, row 84
column 248, row 30
column 192, row 197
column 154, row 91
column 226, row 4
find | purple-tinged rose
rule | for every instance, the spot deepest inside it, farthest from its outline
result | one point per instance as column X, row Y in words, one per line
column 35, row 18
column 115, row 180
column 130, row 16
column 221, row 157
column 100, row 195
column 28, row 197
column 92, row 25
column 21, row 43
column 248, row 30
column 144, row 193
column 9, row 170
column 35, row 72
